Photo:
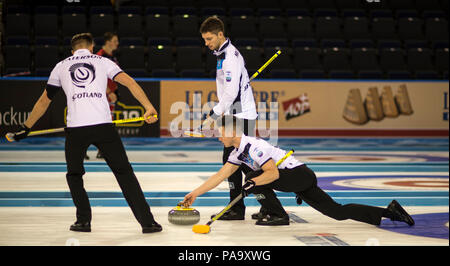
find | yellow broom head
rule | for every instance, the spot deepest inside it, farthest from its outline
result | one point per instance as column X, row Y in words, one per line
column 201, row 228
column 195, row 134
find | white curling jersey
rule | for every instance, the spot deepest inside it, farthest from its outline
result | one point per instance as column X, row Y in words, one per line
column 84, row 78
column 255, row 152
column 233, row 87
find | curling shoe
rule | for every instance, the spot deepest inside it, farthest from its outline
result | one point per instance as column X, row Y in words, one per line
column 259, row 215
column 399, row 213
column 153, row 228
column 272, row 220
column 81, row 227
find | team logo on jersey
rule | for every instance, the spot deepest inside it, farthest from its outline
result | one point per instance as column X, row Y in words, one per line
column 82, row 74
column 258, row 152
column 228, row 76
column 219, row 63
column 245, row 156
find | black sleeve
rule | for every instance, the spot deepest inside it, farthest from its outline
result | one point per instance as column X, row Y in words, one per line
column 52, row 90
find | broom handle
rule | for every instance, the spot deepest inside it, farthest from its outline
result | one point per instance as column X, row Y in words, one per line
column 250, row 80
column 239, row 197
column 61, row 129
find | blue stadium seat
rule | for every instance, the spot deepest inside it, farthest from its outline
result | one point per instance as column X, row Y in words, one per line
column 336, row 59
column 163, row 73
column 283, row 74
column 18, row 40
column 243, row 27
column 179, row 42
column 157, row 25
column 46, row 41
column 328, row 28
column 252, row 57
column 364, row 59
column 129, row 24
column 189, row 58
column 330, row 43
column 17, row 24
column 46, row 56
column 415, row 44
column 131, row 57
column 300, row 27
column 370, row 74
column 307, row 58
column 312, row 74
column 383, row 44
column 356, row 28
column 193, row 73
column 307, row 42
column 160, row 57
column 399, row 74
column 341, row 74
column 185, row 26
column 361, row 43
column 393, row 59
column 127, row 41
column 159, row 41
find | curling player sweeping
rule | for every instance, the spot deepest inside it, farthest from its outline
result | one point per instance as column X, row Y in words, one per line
column 289, row 176
column 83, row 78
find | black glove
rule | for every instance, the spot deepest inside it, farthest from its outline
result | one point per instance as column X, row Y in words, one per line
column 213, row 115
column 204, row 117
column 248, row 187
column 22, row 133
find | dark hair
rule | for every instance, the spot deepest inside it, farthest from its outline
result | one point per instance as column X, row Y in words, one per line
column 232, row 122
column 212, row 24
column 81, row 38
column 109, row 35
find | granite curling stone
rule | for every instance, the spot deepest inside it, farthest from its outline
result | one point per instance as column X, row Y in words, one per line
column 184, row 216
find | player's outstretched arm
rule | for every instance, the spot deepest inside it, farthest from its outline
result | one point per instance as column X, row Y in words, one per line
column 39, row 110
column 212, row 182
column 138, row 93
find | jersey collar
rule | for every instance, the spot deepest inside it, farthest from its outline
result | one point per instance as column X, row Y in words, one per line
column 82, row 52
column 243, row 143
column 222, row 48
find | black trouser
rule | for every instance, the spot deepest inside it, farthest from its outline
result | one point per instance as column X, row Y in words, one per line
column 303, row 182
column 107, row 140
column 235, row 180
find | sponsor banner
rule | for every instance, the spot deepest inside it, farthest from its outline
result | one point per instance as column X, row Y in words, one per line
column 322, row 106
column 17, row 99
column 19, row 96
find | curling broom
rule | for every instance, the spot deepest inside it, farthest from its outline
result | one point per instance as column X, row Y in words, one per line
column 197, row 132
column 206, row 228
column 10, row 136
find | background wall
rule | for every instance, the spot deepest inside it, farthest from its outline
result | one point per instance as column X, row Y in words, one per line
column 330, row 107
column 18, row 96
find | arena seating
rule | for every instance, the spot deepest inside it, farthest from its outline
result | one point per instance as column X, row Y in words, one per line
column 350, row 39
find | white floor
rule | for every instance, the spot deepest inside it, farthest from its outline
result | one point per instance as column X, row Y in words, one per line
column 216, row 156
column 116, row 226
